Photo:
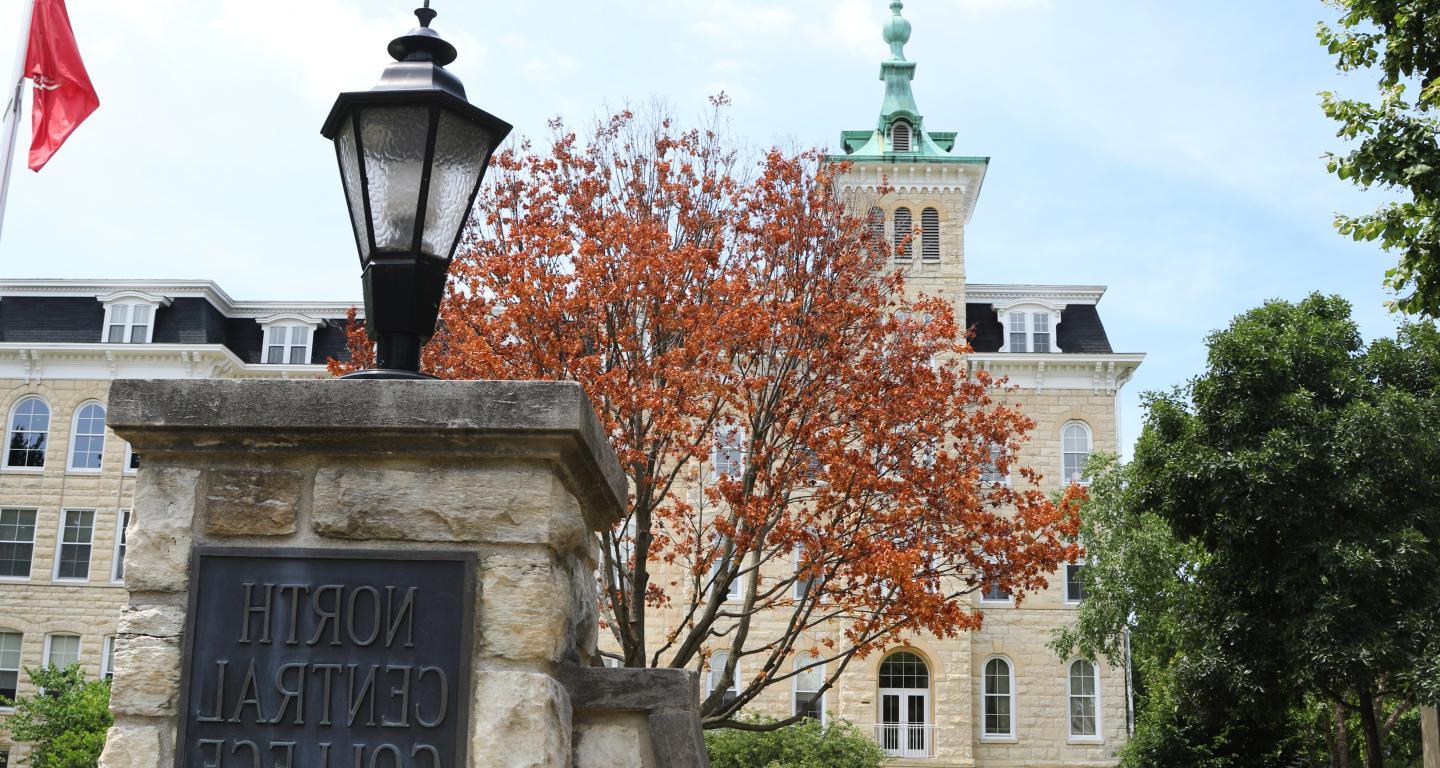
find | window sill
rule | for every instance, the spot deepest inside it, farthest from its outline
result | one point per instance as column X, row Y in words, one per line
column 14, row 579
column 1085, row 740
column 86, row 472
column 998, row 603
column 999, row 739
column 70, row 581
column 24, row 470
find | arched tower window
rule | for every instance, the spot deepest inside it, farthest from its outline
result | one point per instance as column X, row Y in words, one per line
column 904, row 729
column 875, row 221
column 900, row 137
column 930, row 235
column 904, row 233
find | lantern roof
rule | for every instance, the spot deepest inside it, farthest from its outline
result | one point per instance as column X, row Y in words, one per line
column 898, row 72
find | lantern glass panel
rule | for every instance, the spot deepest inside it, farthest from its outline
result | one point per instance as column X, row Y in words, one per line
column 354, row 192
column 462, row 148
column 393, row 140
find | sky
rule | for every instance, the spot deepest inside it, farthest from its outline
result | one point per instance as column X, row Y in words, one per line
column 1172, row 151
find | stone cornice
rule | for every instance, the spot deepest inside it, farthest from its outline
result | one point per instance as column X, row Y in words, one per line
column 1099, row 373
column 985, row 293
column 172, row 289
column 69, row 361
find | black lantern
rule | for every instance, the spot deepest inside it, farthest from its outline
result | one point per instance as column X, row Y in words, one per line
column 412, row 153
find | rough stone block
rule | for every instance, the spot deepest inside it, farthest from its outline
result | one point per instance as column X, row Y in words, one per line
column 251, row 502
column 157, row 556
column 509, row 502
column 519, row 720
column 677, row 740
column 615, row 740
column 153, row 620
column 147, row 676
column 525, row 608
column 130, row 745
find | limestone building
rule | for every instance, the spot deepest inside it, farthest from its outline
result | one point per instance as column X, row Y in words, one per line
column 66, row 482
column 997, row 696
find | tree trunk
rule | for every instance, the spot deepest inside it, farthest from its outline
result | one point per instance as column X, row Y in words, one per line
column 1374, row 754
column 1339, row 737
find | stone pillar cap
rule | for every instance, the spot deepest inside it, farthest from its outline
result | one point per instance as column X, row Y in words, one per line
column 520, row 419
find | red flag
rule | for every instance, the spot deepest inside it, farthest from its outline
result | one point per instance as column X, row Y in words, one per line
column 64, row 96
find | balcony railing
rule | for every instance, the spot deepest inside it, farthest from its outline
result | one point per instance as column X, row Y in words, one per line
column 906, row 740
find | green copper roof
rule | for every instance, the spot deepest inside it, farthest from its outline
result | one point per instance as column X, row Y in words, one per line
column 897, row 72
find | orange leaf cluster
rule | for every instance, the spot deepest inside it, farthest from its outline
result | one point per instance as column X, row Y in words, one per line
column 701, row 300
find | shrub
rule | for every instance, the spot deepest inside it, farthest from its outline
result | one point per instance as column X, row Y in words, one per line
column 805, row 745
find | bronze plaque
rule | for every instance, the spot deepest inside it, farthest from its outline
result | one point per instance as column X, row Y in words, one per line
column 326, row 659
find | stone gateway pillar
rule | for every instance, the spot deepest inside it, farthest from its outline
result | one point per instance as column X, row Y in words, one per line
column 375, row 574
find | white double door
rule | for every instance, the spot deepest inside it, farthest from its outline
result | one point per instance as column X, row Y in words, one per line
column 904, row 717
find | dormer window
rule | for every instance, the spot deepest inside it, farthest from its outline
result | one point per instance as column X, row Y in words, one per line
column 1029, row 327
column 900, row 137
column 130, row 317
column 289, row 339
column 287, row 345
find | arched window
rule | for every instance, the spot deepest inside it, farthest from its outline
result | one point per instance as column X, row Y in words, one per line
column 904, row 728
column 904, row 233
column 87, row 437
column 808, row 682
column 875, row 220
column 999, row 699
column 716, row 672
column 1075, row 447
column 900, row 136
column 1084, row 700
column 28, row 434
column 930, row 235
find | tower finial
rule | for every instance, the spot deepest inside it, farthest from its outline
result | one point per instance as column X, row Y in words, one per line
column 897, row 31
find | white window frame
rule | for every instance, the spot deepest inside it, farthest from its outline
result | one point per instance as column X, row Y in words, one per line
column 1071, row 735
column 271, row 324
column 75, row 435
column 129, row 458
column 985, row 599
column 10, row 430
column 1028, row 309
column 60, row 544
column 1089, row 451
column 19, row 663
column 45, row 655
column 802, row 585
column 985, row 734
column 711, row 673
column 34, row 530
column 107, row 658
column 736, row 588
column 1068, row 601
column 117, row 555
column 130, row 300
column 795, row 690
column 994, row 451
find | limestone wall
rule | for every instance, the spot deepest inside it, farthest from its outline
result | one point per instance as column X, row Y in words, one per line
column 42, row 605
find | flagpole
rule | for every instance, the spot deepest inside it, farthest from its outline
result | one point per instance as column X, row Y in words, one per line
column 13, row 108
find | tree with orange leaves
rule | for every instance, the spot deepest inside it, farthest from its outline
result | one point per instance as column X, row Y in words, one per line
column 803, row 442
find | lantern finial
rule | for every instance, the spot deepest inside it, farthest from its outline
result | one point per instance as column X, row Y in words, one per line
column 426, row 15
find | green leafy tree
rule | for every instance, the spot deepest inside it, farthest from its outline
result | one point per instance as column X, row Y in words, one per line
column 1394, row 137
column 807, row 744
column 1274, row 547
column 65, row 725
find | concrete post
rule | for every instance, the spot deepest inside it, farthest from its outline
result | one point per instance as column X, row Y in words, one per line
column 502, row 483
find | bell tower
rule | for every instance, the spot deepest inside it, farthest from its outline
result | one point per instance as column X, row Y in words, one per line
column 929, row 191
